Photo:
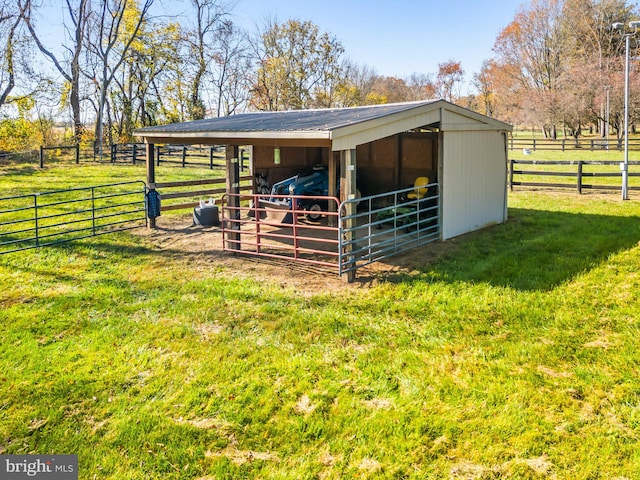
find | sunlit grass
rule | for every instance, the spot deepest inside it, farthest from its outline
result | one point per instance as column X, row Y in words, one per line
column 514, row 355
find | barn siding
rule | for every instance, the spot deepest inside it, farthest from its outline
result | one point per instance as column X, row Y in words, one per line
column 474, row 179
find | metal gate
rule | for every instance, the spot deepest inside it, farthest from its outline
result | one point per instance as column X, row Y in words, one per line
column 48, row 218
column 282, row 227
column 387, row 224
column 379, row 227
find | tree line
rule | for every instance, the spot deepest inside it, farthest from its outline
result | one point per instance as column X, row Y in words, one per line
column 120, row 64
column 560, row 64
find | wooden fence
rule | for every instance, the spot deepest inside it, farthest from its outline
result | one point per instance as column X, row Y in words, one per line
column 183, row 155
column 211, row 157
column 563, row 144
column 246, row 185
column 582, row 180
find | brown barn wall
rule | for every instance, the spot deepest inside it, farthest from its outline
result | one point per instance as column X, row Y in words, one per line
column 293, row 160
column 395, row 162
column 383, row 165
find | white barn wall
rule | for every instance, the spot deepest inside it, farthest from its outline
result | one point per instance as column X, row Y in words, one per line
column 473, row 181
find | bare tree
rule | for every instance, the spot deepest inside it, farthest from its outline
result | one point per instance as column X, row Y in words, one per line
column 11, row 17
column 231, row 63
column 68, row 67
column 203, row 39
column 534, row 47
column 116, row 24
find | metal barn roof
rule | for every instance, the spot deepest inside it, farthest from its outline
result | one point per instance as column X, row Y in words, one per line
column 339, row 128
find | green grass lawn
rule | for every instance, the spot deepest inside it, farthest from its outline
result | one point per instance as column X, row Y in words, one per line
column 513, row 355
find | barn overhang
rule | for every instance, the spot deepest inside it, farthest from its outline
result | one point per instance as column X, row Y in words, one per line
column 340, row 129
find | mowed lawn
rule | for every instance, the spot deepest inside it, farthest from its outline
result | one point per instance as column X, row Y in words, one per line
column 513, row 355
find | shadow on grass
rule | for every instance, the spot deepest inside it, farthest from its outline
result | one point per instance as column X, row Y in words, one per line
column 534, row 250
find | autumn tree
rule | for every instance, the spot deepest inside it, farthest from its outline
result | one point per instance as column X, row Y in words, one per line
column 421, row 87
column 484, row 81
column 532, row 48
column 297, row 66
column 357, row 86
column 449, row 79
column 114, row 27
column 138, row 86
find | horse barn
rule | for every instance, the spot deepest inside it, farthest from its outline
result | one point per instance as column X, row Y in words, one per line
column 345, row 187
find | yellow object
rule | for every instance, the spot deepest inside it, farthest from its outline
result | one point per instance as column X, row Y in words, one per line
column 419, row 188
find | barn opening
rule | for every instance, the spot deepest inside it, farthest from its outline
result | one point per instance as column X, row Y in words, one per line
column 394, row 177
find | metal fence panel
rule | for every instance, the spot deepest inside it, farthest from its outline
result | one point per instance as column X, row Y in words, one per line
column 49, row 218
column 387, row 224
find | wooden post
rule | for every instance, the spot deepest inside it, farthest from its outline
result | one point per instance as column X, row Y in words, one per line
column 151, row 176
column 158, row 148
column 511, row 165
column 580, row 163
column 77, row 153
column 41, row 156
column 134, row 152
column 348, row 192
column 184, row 155
column 233, row 198
column 210, row 158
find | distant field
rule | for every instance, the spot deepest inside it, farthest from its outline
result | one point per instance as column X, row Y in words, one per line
column 512, row 354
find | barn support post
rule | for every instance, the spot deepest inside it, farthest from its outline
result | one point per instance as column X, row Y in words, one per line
column 151, row 183
column 348, row 192
column 333, row 185
column 233, row 201
column 441, row 173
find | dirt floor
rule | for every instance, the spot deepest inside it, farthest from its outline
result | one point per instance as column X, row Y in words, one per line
column 177, row 233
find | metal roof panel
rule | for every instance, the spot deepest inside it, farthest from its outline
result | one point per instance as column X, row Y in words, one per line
column 317, row 120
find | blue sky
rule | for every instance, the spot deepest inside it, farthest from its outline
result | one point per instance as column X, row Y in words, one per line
column 395, row 37
column 399, row 37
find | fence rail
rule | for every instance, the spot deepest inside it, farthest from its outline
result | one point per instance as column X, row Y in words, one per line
column 246, row 185
column 568, row 169
column 211, row 157
column 203, row 156
column 592, row 144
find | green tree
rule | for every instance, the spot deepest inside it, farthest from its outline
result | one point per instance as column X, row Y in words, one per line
column 139, row 87
column 298, row 67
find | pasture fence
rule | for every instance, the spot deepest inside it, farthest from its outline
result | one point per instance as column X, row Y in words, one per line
column 564, row 169
column 202, row 156
column 564, row 144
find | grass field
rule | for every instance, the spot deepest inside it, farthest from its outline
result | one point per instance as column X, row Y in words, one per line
column 514, row 355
